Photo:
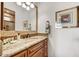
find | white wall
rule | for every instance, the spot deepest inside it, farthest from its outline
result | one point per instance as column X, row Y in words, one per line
column 47, row 11
column 67, row 42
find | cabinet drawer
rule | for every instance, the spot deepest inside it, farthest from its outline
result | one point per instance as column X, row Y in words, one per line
column 32, row 50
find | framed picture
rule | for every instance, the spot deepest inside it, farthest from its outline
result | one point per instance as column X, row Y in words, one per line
column 25, row 24
column 68, row 17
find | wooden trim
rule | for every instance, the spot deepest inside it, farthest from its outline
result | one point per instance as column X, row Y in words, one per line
column 78, row 16
column 36, row 18
column 2, row 6
column 67, row 9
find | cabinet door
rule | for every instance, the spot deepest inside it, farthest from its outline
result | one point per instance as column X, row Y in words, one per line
column 32, row 50
column 38, row 53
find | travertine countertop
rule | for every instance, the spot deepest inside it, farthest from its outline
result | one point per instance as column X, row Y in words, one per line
column 20, row 45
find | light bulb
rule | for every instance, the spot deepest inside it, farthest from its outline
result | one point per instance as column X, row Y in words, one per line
column 28, row 8
column 28, row 3
column 32, row 6
column 18, row 3
column 23, row 5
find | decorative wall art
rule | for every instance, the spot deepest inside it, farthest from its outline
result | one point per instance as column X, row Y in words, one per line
column 25, row 24
column 68, row 17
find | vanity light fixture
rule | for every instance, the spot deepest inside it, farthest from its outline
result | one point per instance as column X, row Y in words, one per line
column 27, row 8
column 32, row 5
column 26, row 5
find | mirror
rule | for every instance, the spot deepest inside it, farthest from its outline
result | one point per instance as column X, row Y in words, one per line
column 17, row 18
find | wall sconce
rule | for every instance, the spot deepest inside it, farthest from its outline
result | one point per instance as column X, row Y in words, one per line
column 27, row 5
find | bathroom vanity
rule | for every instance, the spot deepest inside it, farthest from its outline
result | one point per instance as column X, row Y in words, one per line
column 36, row 46
column 19, row 32
column 32, row 46
column 37, row 50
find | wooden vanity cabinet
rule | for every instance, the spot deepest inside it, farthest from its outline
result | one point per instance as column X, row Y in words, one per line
column 38, row 50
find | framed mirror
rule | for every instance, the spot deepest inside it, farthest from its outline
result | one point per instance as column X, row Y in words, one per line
column 17, row 18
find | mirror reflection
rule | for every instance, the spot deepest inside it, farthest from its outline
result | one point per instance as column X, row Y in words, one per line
column 19, row 16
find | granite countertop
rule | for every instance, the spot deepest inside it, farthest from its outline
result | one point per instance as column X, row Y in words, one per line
column 20, row 45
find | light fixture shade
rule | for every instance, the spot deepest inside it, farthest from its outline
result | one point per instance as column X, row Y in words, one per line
column 18, row 3
column 28, row 3
column 28, row 8
column 32, row 5
column 23, row 5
